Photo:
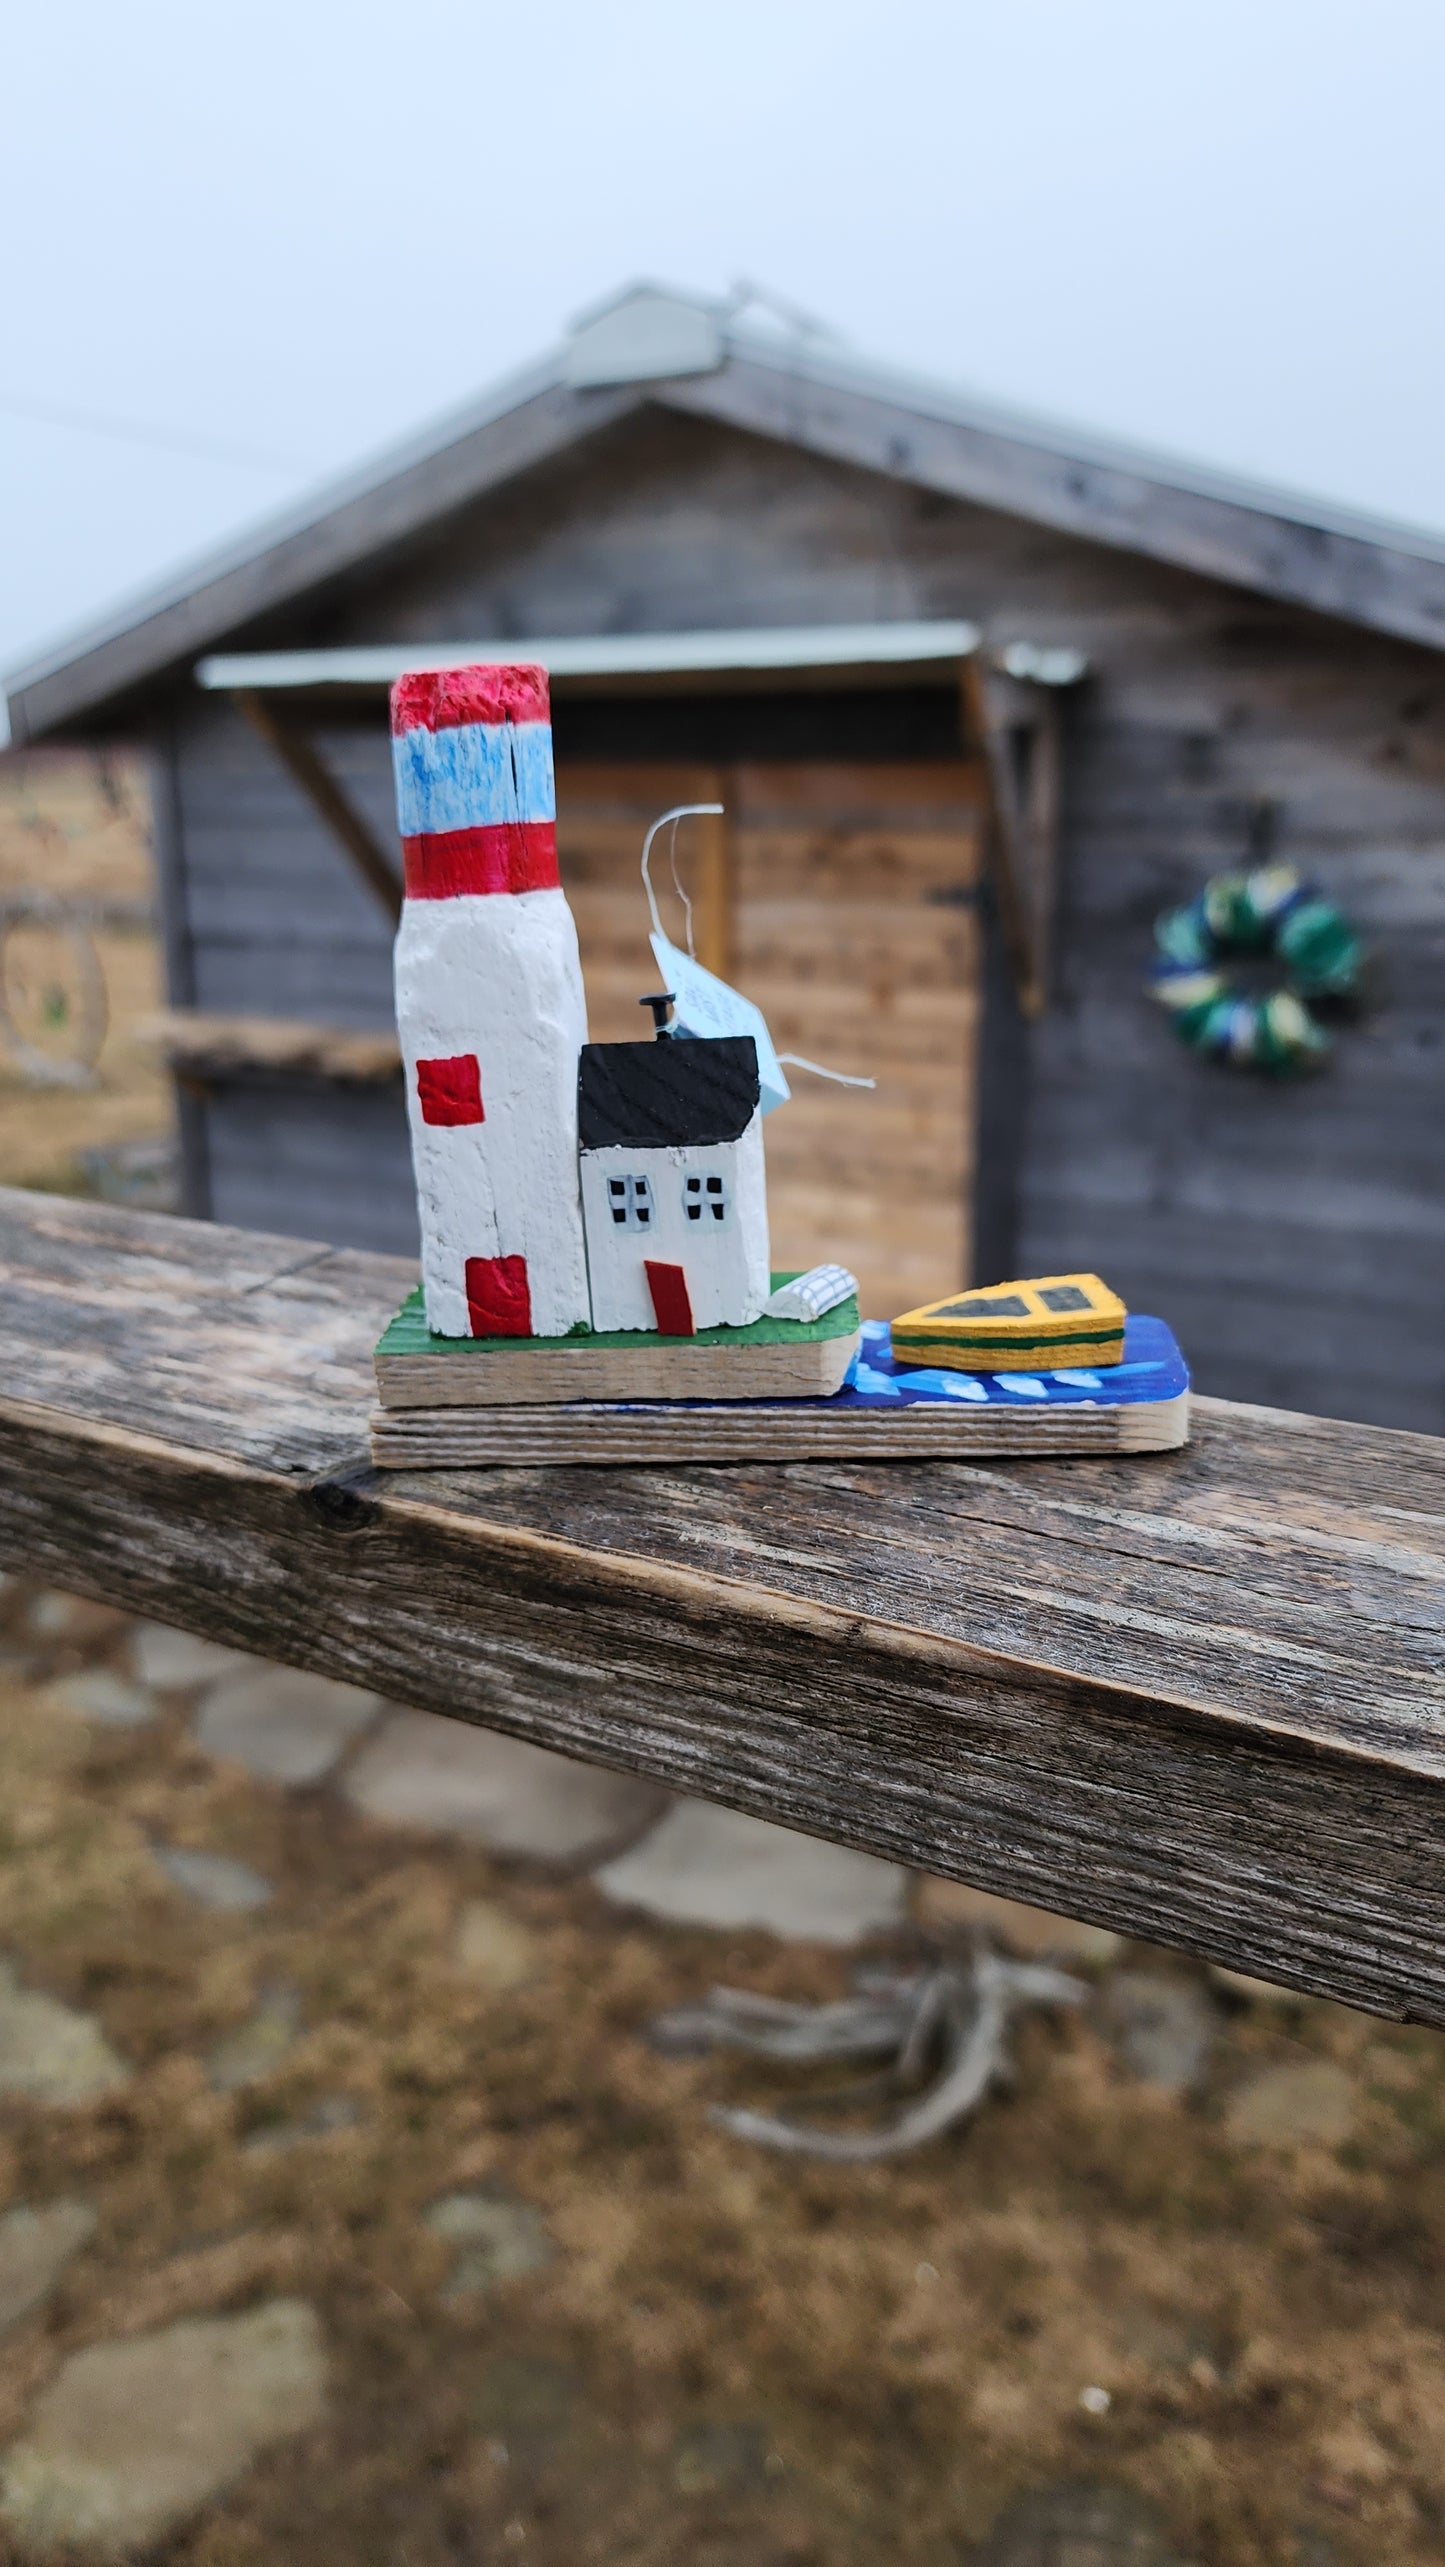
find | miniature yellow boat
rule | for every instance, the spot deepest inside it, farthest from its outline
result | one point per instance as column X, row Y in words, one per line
column 1016, row 1327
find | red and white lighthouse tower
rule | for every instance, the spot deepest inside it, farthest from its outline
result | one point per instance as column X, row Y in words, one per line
column 489, row 1005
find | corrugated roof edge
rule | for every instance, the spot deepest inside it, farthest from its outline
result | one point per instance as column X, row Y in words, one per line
column 828, row 372
column 263, row 534
column 931, row 397
column 703, row 650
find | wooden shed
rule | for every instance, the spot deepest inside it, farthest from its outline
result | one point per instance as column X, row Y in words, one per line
column 980, row 697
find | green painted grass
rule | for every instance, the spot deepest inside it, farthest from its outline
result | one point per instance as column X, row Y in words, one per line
column 408, row 1333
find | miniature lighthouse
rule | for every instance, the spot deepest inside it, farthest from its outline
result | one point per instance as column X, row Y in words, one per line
column 489, row 1005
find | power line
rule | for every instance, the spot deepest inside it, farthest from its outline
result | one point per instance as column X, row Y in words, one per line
column 205, row 449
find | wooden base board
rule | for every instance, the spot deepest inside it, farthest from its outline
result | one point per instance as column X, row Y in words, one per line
column 757, row 1431
column 654, row 1367
column 773, row 1359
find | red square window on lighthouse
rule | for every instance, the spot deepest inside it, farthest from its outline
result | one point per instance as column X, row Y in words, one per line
column 450, row 1091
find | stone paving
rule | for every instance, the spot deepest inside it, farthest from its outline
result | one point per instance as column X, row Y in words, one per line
column 103, row 1694
column 281, row 1724
column 35, row 2247
column 701, row 1865
column 494, row 1947
column 684, row 1861
column 498, row 2240
column 1165, row 2027
column 1078, row 2525
column 49, row 2053
column 133, row 2435
column 215, row 1881
column 421, row 1770
column 256, row 2049
column 1294, row 2105
column 173, row 1661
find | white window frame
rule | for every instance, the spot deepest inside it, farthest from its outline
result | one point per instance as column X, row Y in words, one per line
column 703, row 1194
column 631, row 1203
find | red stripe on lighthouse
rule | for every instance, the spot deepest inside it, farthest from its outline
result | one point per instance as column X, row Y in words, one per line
column 442, row 699
column 513, row 855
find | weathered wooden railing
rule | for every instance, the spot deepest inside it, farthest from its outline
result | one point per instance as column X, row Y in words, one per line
column 1199, row 1696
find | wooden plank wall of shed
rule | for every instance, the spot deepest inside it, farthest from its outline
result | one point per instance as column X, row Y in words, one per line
column 266, row 917
column 1293, row 1235
column 852, row 926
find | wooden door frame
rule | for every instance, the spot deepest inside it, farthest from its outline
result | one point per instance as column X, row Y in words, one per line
column 1016, row 918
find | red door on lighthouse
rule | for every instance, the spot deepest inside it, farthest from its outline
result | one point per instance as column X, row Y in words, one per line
column 499, row 1300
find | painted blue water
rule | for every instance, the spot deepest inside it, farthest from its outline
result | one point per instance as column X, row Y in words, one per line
column 1153, row 1368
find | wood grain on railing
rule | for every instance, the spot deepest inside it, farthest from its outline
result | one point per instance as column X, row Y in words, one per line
column 1197, row 1696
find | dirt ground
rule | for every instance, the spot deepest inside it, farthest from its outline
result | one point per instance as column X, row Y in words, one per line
column 74, row 827
column 732, row 2360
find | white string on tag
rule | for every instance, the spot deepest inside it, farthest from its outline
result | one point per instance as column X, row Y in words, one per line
column 680, row 888
column 709, row 1004
column 841, row 1078
column 680, row 811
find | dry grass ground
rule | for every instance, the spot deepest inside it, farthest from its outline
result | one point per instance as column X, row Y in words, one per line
column 731, row 2361
column 76, row 825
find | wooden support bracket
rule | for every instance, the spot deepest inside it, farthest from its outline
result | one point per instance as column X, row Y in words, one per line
column 333, row 808
column 1015, row 722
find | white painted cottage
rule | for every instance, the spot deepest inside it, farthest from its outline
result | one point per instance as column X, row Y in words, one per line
column 674, row 1195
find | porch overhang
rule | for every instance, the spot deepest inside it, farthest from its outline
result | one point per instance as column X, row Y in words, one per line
column 823, row 655
column 1006, row 696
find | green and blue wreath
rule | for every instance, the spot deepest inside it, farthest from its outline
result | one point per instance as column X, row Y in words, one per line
column 1268, row 914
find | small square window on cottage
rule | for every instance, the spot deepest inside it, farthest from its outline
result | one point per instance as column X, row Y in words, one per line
column 704, row 1197
column 630, row 1202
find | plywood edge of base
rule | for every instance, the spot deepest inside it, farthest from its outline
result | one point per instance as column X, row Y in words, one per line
column 813, row 1368
column 1154, row 1425
column 536, row 1437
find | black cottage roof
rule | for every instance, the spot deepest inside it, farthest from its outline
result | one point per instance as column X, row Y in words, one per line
column 686, row 1091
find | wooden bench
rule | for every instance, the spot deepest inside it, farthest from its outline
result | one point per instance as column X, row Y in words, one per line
column 1199, row 1697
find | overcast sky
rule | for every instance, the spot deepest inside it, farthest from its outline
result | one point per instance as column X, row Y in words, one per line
column 245, row 246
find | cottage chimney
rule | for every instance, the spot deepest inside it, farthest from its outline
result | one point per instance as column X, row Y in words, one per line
column 661, row 1003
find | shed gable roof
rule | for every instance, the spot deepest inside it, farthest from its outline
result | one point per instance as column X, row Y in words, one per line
column 799, row 392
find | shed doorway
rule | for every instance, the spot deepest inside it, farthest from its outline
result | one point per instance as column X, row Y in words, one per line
column 841, row 896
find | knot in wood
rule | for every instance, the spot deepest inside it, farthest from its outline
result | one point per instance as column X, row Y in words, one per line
column 340, row 1505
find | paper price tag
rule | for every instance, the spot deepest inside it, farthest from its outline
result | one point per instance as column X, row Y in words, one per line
column 705, row 1006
